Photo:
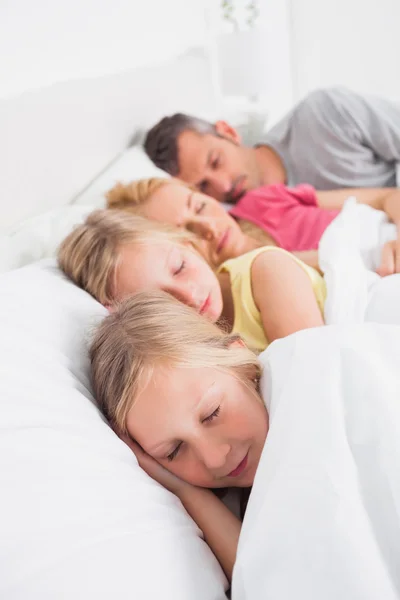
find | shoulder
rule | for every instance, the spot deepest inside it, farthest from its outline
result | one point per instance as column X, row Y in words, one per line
column 278, row 268
column 271, row 262
column 325, row 108
column 325, row 98
column 256, row 264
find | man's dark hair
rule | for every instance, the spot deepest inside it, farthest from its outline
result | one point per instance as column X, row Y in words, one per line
column 161, row 140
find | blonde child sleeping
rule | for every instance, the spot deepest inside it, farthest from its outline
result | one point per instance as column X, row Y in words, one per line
column 262, row 295
column 203, row 385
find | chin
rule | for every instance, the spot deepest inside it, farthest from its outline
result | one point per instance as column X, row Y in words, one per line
column 244, row 483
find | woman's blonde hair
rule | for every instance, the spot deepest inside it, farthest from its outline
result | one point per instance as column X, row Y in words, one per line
column 151, row 330
column 89, row 255
column 133, row 195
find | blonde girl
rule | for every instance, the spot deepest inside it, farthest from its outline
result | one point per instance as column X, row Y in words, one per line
column 155, row 356
column 263, row 295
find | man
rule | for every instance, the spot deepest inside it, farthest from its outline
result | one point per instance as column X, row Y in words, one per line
column 333, row 139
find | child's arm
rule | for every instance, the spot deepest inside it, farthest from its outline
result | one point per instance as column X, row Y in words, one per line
column 310, row 258
column 219, row 525
column 284, row 295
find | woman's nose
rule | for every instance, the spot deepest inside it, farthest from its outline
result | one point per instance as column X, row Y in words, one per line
column 203, row 228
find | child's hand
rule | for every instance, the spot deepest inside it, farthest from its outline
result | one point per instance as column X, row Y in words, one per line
column 170, row 481
column 390, row 259
column 220, row 527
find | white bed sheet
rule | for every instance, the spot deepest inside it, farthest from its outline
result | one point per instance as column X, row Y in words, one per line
column 349, row 254
column 323, row 521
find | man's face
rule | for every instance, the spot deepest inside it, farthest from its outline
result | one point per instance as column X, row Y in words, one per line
column 218, row 165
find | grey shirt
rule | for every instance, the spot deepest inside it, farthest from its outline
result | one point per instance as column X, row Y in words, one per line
column 335, row 138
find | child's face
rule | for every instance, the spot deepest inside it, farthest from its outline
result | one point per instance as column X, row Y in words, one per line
column 202, row 424
column 176, row 269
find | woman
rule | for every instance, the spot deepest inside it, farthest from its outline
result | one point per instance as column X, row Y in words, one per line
column 291, row 218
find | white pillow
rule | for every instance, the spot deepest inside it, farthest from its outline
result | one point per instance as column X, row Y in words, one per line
column 79, row 519
column 38, row 237
column 131, row 164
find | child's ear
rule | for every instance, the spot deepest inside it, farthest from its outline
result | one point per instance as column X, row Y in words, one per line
column 239, row 343
column 109, row 307
column 227, row 131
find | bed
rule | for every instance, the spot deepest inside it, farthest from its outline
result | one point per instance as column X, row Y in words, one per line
column 79, row 518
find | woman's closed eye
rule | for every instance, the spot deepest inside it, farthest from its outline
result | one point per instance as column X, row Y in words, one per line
column 213, row 415
column 200, row 207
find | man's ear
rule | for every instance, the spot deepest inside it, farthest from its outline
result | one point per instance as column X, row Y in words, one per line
column 225, row 130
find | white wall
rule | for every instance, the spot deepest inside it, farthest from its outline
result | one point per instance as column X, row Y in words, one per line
column 44, row 41
column 275, row 19
column 348, row 42
column 274, row 22
column 78, row 78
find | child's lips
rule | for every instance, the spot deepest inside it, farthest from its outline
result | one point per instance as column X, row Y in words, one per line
column 204, row 307
column 240, row 468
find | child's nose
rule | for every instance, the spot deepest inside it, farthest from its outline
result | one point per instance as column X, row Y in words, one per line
column 213, row 455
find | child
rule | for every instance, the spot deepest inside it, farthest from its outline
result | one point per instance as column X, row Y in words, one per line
column 262, row 295
column 203, row 386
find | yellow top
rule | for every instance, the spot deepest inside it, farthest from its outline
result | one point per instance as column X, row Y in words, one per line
column 247, row 319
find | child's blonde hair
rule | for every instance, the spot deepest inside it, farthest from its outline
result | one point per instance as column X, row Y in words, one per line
column 151, row 330
column 89, row 255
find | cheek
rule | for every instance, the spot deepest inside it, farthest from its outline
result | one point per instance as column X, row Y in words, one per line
column 189, row 469
column 247, row 420
column 200, row 271
column 205, row 249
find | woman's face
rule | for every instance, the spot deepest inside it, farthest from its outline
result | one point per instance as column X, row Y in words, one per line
column 178, row 205
column 203, row 425
column 176, row 269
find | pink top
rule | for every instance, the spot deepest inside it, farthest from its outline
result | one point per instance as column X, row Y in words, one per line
column 290, row 215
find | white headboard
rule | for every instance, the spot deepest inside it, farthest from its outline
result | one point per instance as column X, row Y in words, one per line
column 56, row 139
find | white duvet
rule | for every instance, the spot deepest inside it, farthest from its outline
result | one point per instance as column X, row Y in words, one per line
column 323, row 521
column 349, row 254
